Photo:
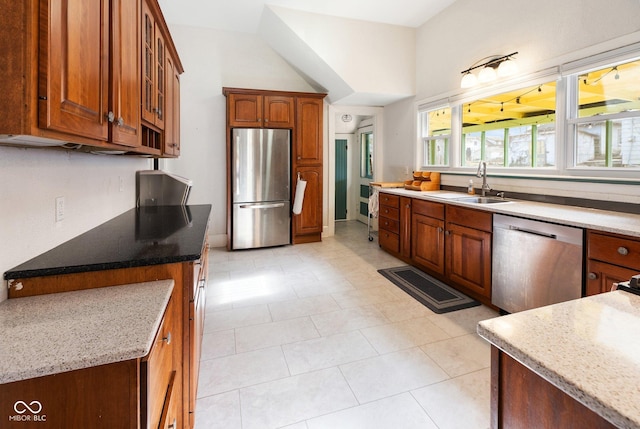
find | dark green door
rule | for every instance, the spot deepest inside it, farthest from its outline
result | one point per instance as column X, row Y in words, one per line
column 341, row 180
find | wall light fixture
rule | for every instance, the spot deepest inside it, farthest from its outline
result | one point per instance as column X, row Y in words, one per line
column 504, row 64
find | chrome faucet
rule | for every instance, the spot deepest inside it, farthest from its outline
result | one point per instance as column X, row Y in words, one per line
column 482, row 172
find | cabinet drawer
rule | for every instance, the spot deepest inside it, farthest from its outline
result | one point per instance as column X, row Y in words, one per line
column 390, row 212
column 390, row 225
column 389, row 241
column 156, row 370
column 428, row 208
column 613, row 249
column 389, row 200
column 475, row 219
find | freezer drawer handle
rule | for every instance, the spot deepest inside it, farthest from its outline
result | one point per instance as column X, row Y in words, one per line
column 531, row 231
column 262, row 206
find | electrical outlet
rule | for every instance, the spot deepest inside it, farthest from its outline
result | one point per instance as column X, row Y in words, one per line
column 59, row 209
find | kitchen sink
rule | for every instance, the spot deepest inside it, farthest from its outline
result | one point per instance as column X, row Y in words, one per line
column 482, row 200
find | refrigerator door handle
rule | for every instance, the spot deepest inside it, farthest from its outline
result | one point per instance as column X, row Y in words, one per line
column 262, row 206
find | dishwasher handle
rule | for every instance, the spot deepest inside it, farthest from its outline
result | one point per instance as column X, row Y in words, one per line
column 532, row 231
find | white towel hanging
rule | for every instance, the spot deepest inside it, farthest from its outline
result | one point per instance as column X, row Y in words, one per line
column 301, row 185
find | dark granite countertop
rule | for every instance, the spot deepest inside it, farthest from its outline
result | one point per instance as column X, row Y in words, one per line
column 139, row 237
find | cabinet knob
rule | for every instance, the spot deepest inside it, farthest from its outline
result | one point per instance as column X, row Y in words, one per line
column 167, row 338
column 120, row 121
column 447, row 233
column 623, row 251
column 440, row 229
column 173, row 425
column 592, row 276
column 110, row 116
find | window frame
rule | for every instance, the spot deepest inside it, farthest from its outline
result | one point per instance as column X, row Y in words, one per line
column 366, row 154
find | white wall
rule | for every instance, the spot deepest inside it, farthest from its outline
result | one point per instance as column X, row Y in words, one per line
column 214, row 59
column 31, row 179
column 539, row 30
column 376, row 60
column 399, row 138
column 545, row 33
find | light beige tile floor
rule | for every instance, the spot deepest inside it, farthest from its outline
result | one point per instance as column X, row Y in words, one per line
column 311, row 336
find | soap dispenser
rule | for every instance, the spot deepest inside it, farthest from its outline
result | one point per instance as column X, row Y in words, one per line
column 470, row 188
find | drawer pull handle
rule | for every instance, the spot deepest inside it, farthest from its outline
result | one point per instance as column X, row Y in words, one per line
column 167, row 338
column 623, row 251
column 592, row 276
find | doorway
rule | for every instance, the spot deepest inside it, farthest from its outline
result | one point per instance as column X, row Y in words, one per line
column 341, row 179
column 344, row 124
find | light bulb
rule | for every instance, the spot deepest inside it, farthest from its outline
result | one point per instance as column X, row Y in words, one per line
column 469, row 80
column 487, row 74
column 507, row 68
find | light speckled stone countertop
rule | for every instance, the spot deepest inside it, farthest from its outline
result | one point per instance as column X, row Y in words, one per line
column 59, row 332
column 589, row 348
column 601, row 220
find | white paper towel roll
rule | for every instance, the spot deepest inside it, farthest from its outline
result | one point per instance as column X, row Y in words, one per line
column 301, row 185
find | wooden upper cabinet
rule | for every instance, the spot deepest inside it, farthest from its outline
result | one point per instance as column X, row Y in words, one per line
column 153, row 69
column 260, row 111
column 171, row 145
column 124, row 113
column 77, row 74
column 308, row 142
column 244, row 110
column 278, row 111
column 74, row 67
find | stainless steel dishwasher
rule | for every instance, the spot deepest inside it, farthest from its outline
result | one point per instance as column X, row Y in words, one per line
column 534, row 263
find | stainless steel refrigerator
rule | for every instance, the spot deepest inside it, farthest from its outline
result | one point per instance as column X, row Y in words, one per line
column 260, row 175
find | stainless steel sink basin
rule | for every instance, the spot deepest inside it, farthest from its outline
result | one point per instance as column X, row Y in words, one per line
column 482, row 200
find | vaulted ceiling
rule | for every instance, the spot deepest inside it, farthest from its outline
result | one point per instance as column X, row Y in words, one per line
column 353, row 79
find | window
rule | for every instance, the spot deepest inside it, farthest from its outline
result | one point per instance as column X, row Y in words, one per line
column 580, row 118
column 514, row 129
column 606, row 124
column 366, row 155
column 435, row 132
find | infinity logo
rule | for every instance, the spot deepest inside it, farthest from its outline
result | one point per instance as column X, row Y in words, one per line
column 21, row 407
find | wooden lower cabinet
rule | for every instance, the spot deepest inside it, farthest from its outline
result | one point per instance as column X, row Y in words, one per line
column 453, row 243
column 158, row 372
column 100, row 397
column 602, row 276
column 611, row 258
column 137, row 393
column 389, row 223
column 394, row 225
column 405, row 227
column 197, row 307
column 307, row 226
column 468, row 250
column 427, row 235
column 186, row 338
column 521, row 398
column 469, row 258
